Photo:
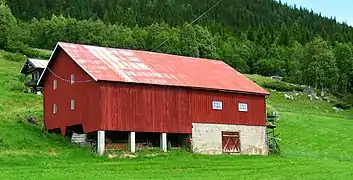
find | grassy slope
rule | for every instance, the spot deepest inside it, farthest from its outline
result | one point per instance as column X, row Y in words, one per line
column 316, row 143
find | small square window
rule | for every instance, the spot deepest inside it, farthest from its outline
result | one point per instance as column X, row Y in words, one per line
column 55, row 110
column 243, row 107
column 55, row 84
column 72, row 78
column 72, row 104
column 217, row 105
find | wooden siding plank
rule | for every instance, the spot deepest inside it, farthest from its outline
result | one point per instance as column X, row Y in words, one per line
column 148, row 108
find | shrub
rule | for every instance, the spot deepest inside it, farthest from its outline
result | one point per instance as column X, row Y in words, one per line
column 269, row 108
column 343, row 105
column 35, row 53
column 17, row 57
column 281, row 86
column 347, row 98
column 16, row 84
column 21, row 50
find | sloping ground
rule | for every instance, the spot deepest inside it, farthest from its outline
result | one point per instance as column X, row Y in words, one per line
column 316, row 144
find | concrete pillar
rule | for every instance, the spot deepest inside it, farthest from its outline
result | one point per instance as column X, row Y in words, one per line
column 132, row 146
column 101, row 142
column 163, row 142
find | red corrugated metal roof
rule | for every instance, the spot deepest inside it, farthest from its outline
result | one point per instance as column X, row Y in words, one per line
column 110, row 64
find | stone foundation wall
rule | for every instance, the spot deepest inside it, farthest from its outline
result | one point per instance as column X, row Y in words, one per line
column 207, row 138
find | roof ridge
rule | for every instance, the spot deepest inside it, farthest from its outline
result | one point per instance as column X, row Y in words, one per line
column 145, row 51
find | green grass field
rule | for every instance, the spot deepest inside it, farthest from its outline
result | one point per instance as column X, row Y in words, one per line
column 316, row 143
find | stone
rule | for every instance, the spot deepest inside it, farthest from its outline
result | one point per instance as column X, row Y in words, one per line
column 310, row 97
column 252, row 138
column 112, row 156
column 317, row 98
column 128, row 156
column 152, row 155
column 309, row 91
column 336, row 109
column 279, row 78
column 32, row 120
column 290, row 97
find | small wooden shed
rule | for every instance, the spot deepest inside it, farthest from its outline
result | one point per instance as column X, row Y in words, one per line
column 33, row 69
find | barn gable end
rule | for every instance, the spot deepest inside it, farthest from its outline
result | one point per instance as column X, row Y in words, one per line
column 84, row 95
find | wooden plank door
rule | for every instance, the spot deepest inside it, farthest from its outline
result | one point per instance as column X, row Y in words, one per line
column 230, row 142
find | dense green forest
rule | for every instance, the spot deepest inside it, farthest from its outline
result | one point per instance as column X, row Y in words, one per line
column 264, row 18
column 254, row 36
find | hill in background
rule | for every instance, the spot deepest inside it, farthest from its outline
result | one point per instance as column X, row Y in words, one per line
column 256, row 18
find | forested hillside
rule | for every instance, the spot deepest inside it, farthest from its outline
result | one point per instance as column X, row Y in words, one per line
column 261, row 20
column 253, row 36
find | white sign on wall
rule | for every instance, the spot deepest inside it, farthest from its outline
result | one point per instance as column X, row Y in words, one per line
column 217, row 105
column 243, row 107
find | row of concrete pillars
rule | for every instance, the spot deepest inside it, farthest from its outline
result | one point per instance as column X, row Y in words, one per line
column 131, row 140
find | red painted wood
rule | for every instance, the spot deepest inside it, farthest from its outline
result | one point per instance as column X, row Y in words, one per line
column 136, row 107
column 86, row 95
column 144, row 108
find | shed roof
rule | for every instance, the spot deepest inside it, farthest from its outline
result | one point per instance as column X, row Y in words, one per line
column 35, row 63
column 134, row 66
column 38, row 63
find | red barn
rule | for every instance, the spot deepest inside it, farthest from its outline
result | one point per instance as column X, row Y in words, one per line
column 105, row 90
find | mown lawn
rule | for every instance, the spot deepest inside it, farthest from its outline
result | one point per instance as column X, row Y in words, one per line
column 175, row 166
column 316, row 144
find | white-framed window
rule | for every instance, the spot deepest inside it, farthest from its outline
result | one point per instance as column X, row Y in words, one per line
column 55, row 84
column 217, row 105
column 55, row 109
column 243, row 107
column 72, row 104
column 72, row 78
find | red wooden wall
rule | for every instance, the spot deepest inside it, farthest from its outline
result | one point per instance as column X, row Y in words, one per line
column 86, row 95
column 148, row 108
column 136, row 107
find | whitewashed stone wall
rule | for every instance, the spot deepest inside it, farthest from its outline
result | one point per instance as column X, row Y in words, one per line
column 207, row 138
